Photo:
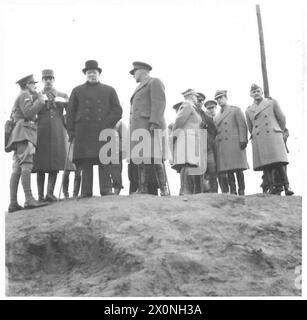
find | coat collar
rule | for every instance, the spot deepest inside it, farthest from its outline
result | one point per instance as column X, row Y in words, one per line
column 257, row 108
column 139, row 87
column 222, row 115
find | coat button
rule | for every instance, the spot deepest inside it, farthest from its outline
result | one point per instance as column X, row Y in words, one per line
column 86, row 101
column 265, row 116
column 266, row 123
column 257, row 133
column 98, row 100
column 99, row 110
column 256, row 126
column 226, row 130
column 87, row 118
column 99, row 119
column 226, row 138
column 225, row 122
column 268, row 131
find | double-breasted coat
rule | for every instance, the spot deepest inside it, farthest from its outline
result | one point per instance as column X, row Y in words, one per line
column 92, row 107
column 231, row 130
column 266, row 123
column 24, row 113
column 190, row 143
column 52, row 140
column 147, row 107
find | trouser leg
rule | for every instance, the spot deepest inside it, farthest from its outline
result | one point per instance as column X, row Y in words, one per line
column 266, row 181
column 241, row 182
column 223, row 181
column 65, row 179
column 133, row 177
column 232, row 182
column 142, row 179
column 87, row 180
column 211, row 171
column 77, row 182
column 40, row 179
column 282, row 169
column 105, row 182
column 161, row 179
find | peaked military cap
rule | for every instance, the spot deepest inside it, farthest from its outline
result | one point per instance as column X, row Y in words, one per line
column 255, row 87
column 177, row 105
column 140, row 65
column 220, row 93
column 201, row 95
column 210, row 103
column 47, row 73
column 26, row 79
column 91, row 65
column 189, row 92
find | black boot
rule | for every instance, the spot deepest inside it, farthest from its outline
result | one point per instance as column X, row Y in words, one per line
column 40, row 179
column 241, row 183
column 14, row 181
column 66, row 183
column 223, row 181
column 285, row 180
column 50, row 197
column 77, row 183
column 142, row 185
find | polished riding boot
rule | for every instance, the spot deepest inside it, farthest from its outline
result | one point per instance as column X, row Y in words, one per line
column 161, row 179
column 241, row 183
column 30, row 202
column 40, row 179
column 14, row 181
column 142, row 188
column 65, row 178
column 50, row 188
column 232, row 182
column 77, row 182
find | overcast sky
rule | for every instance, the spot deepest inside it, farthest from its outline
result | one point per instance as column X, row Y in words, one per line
column 205, row 45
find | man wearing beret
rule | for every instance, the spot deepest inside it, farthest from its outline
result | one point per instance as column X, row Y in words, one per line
column 52, row 142
column 23, row 141
column 231, row 141
column 93, row 106
column 267, row 125
column 147, row 112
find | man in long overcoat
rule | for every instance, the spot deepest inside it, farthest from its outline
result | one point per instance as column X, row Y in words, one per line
column 267, row 124
column 23, row 140
column 147, row 112
column 231, row 141
column 52, row 142
column 92, row 107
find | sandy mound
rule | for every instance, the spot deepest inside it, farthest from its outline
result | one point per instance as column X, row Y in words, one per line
column 208, row 245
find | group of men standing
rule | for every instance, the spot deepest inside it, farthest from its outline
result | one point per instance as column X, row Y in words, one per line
column 46, row 141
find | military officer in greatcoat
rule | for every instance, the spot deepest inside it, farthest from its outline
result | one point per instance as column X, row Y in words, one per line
column 23, row 140
column 267, row 125
column 52, row 140
column 93, row 106
column 231, row 141
column 147, row 112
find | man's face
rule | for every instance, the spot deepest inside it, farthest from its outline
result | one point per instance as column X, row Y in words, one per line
column 31, row 86
column 222, row 101
column 48, row 82
column 137, row 75
column 199, row 102
column 256, row 94
column 92, row 75
column 211, row 109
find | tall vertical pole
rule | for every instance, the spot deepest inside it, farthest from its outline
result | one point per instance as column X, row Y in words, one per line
column 262, row 53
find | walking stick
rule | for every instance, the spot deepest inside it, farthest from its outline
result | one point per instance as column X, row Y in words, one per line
column 65, row 165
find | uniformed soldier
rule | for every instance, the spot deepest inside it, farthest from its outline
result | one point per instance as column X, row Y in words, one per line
column 52, row 139
column 267, row 125
column 92, row 107
column 23, row 141
column 231, row 141
column 147, row 112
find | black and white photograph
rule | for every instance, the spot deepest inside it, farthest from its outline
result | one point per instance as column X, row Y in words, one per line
column 152, row 149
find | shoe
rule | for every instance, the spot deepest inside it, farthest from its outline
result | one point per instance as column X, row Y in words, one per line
column 117, row 191
column 276, row 191
column 163, row 191
column 289, row 192
column 107, row 193
column 41, row 199
column 14, row 207
column 50, row 198
column 32, row 204
column 82, row 196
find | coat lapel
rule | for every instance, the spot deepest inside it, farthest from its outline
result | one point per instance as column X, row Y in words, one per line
column 139, row 87
column 256, row 109
column 222, row 115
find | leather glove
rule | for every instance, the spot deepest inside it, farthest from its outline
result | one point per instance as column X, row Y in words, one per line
column 152, row 127
column 243, row 145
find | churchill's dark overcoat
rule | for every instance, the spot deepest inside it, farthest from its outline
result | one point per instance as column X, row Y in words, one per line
column 92, row 107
